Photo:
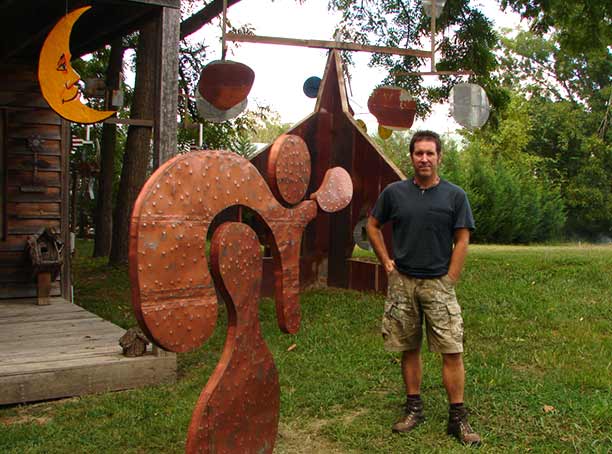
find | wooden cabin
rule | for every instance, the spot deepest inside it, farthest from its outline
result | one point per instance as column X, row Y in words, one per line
column 61, row 350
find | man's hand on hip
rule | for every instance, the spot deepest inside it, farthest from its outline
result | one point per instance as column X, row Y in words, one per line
column 389, row 266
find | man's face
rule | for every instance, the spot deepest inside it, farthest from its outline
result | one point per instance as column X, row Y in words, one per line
column 425, row 159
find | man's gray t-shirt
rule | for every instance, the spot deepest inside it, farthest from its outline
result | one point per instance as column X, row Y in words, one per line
column 424, row 222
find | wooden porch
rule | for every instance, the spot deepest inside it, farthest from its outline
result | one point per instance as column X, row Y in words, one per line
column 62, row 350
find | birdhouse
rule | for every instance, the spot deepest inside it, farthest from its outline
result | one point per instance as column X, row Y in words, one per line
column 45, row 251
column 46, row 255
column 134, row 343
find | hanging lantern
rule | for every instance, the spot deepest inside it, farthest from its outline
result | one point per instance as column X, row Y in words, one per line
column 225, row 83
column 469, row 105
column 393, row 107
column 311, row 86
column 428, row 7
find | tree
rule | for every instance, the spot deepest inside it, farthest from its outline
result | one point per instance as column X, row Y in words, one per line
column 108, row 146
column 138, row 147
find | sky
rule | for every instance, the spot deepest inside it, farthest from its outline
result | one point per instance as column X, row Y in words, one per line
column 280, row 71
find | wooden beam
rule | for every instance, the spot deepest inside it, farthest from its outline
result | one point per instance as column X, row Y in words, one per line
column 129, row 121
column 319, row 44
column 433, row 73
column 165, row 132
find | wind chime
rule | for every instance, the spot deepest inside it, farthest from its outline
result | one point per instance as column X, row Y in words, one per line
column 393, row 106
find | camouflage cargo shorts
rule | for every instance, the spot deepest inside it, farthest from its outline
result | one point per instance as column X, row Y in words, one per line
column 409, row 301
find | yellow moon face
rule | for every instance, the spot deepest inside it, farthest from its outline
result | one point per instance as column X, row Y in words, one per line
column 58, row 80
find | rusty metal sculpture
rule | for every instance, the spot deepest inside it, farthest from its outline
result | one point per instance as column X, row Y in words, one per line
column 172, row 289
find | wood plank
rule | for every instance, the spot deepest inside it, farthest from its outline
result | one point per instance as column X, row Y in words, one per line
column 35, row 348
column 7, row 321
column 35, row 116
column 29, row 226
column 33, row 209
column 57, row 327
column 14, row 194
column 29, row 98
column 24, row 178
column 320, row 44
column 20, row 146
column 31, row 357
column 25, row 291
column 88, row 376
column 26, row 162
column 46, row 132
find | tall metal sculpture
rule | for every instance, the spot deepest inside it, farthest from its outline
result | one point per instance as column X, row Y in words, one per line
column 173, row 292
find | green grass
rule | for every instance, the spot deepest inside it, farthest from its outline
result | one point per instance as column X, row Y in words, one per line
column 538, row 324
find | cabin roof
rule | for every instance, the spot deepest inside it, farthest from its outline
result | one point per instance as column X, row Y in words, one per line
column 24, row 24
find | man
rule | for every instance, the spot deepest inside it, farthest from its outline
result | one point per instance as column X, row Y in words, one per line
column 431, row 221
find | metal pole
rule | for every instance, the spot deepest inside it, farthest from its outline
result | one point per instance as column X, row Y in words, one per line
column 433, row 35
column 223, row 30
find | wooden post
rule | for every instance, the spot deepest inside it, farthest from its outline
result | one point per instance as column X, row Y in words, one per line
column 164, row 136
column 43, row 288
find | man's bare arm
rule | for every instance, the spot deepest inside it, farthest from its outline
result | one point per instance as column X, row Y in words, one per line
column 378, row 243
column 461, row 240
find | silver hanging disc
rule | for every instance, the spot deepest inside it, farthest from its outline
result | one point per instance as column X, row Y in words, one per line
column 469, row 105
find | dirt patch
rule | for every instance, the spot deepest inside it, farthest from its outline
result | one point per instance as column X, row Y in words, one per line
column 25, row 419
column 294, row 438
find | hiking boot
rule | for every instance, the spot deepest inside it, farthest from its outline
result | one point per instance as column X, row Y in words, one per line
column 413, row 416
column 459, row 427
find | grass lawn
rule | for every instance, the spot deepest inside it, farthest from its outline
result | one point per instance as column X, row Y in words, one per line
column 538, row 324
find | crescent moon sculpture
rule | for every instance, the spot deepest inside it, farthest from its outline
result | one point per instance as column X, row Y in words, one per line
column 57, row 78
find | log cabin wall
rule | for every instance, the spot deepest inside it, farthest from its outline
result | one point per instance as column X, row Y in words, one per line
column 35, row 186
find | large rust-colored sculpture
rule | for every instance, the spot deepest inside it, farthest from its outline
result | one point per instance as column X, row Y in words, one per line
column 173, row 291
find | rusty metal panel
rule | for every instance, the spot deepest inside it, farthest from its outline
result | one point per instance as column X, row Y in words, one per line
column 173, row 292
column 393, row 107
column 225, row 83
column 237, row 411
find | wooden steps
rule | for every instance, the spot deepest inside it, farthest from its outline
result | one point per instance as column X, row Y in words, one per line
column 62, row 350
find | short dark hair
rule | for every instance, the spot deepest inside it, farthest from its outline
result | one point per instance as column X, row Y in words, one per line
column 427, row 136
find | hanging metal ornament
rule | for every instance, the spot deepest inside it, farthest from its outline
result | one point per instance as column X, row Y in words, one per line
column 384, row 133
column 469, row 105
column 311, row 86
column 362, row 125
column 224, row 85
column 211, row 113
column 360, row 236
column 430, row 5
column 393, row 107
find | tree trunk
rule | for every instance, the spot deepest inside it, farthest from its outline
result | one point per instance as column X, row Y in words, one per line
column 104, row 205
column 138, row 147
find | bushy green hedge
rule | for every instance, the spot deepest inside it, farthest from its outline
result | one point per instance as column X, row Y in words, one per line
column 510, row 201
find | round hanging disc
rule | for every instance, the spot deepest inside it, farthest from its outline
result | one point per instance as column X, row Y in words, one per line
column 360, row 235
column 211, row 113
column 225, row 83
column 311, row 86
column 393, row 107
column 469, row 105
column 289, row 167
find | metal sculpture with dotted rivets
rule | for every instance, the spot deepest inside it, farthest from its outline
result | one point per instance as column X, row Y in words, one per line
column 175, row 296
